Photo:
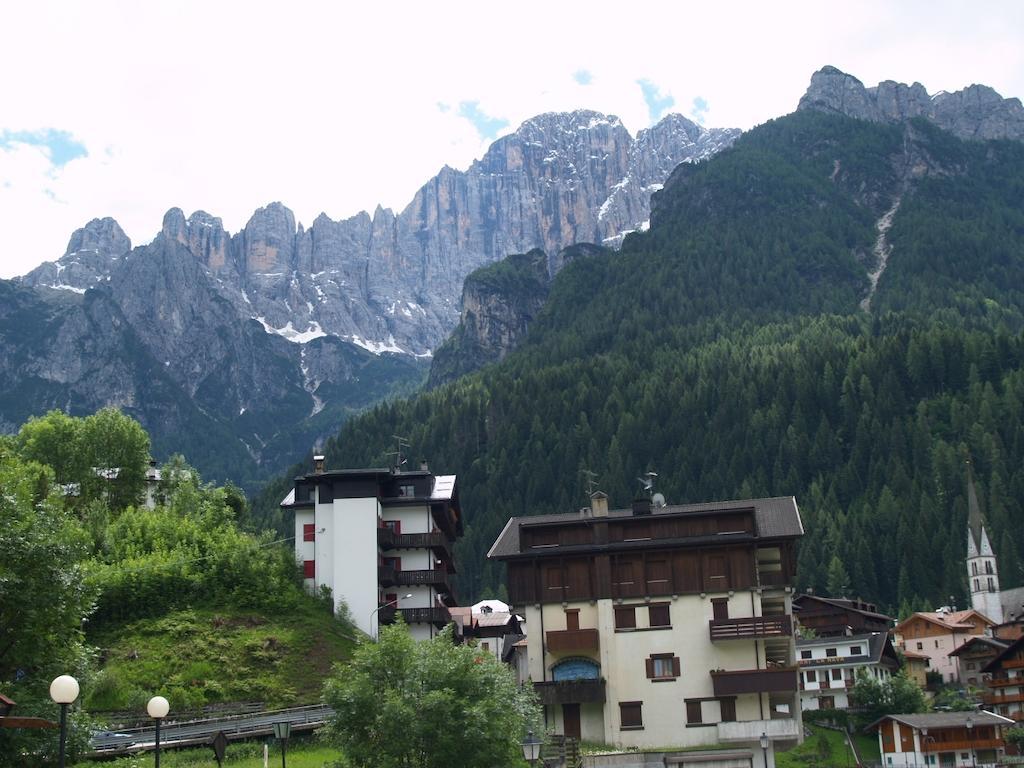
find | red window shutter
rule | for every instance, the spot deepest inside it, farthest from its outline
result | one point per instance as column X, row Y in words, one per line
column 650, row 668
column 309, row 569
column 309, row 532
column 676, row 669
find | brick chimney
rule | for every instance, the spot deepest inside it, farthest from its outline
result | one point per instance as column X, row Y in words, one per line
column 599, row 503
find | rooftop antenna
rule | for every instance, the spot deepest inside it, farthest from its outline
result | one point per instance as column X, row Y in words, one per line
column 401, row 443
column 647, row 482
column 590, row 480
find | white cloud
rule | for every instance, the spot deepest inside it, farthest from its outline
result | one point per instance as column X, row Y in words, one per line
column 331, row 107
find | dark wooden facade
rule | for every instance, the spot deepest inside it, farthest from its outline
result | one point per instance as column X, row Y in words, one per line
column 830, row 617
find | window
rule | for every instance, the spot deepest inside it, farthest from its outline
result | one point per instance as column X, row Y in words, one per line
column 855, row 650
column 623, row 573
column 485, row 646
column 308, row 532
column 407, row 490
column 805, row 654
column 977, row 586
column 637, row 531
column 663, row 666
column 936, row 643
column 837, row 674
column 658, row 615
column 826, row 702
column 831, row 652
column 720, row 608
column 728, row 707
column 631, row 714
column 693, row 712
column 988, row 567
column 810, row 676
column 991, row 584
column 553, row 578
column 309, row 569
column 572, row 619
column 974, row 569
column 395, row 526
column 393, row 562
column 920, row 646
column 971, row 665
column 625, row 617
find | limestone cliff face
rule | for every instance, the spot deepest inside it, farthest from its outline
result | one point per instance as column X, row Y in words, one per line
column 976, row 112
column 92, row 253
column 499, row 303
column 391, row 281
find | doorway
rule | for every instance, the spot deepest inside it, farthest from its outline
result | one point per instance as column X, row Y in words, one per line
column 571, row 720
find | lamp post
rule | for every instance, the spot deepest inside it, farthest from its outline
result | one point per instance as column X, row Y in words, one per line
column 373, row 631
column 157, row 709
column 970, row 738
column 63, row 691
column 281, row 732
column 764, row 747
column 531, row 748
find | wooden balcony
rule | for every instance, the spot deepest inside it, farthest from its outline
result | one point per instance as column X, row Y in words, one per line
column 385, row 575
column 437, row 616
column 772, row 579
column 751, row 628
column 438, row 579
column 734, row 682
column 573, row 640
column 1012, row 664
column 437, row 541
column 1005, row 682
column 961, row 746
column 571, row 692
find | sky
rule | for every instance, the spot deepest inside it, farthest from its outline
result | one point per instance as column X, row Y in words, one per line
column 127, row 109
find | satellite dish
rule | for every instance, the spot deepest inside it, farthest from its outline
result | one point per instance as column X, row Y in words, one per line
column 658, row 499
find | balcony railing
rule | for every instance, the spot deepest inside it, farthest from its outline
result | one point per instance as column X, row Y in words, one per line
column 1013, row 664
column 386, row 575
column 734, row 682
column 772, row 579
column 437, row 541
column 573, row 640
column 1002, row 698
column 571, row 692
column 751, row 628
column 782, row 729
column 438, row 616
column 436, row 578
column 1005, row 682
column 957, row 746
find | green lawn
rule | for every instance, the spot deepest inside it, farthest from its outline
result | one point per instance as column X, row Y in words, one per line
column 824, row 748
column 305, row 753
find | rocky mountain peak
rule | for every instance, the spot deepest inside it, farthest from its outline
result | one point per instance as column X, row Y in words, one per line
column 269, row 240
column 975, row 112
column 92, row 252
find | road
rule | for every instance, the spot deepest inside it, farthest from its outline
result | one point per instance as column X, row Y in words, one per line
column 197, row 732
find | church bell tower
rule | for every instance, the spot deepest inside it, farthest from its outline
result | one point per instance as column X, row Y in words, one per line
column 982, row 574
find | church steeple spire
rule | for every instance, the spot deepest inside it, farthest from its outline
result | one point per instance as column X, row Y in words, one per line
column 982, row 574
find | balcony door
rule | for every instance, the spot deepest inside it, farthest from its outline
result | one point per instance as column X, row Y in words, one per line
column 571, row 720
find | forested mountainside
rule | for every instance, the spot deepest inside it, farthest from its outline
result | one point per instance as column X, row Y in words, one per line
column 740, row 349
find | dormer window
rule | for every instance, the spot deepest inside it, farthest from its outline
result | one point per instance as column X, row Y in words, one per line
column 407, row 491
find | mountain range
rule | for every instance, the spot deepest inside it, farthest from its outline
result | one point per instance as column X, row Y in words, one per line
column 242, row 350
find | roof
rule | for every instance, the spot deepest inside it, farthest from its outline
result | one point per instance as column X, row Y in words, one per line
column 846, row 605
column 945, row 719
column 1010, row 650
column 951, row 621
column 992, row 643
column 915, row 655
column 1012, row 601
column 776, row 517
column 444, row 486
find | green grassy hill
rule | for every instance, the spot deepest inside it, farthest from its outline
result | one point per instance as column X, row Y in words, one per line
column 210, row 656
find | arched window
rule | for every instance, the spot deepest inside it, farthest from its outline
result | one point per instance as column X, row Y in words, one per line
column 977, row 588
column 988, row 567
column 576, row 668
column 974, row 569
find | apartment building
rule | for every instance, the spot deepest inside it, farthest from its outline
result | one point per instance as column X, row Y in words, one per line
column 662, row 625
column 829, row 667
column 381, row 540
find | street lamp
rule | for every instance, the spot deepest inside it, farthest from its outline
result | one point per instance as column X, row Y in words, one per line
column 158, row 709
column 531, row 748
column 63, row 691
column 281, row 732
column 373, row 632
column 764, row 748
column 970, row 737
